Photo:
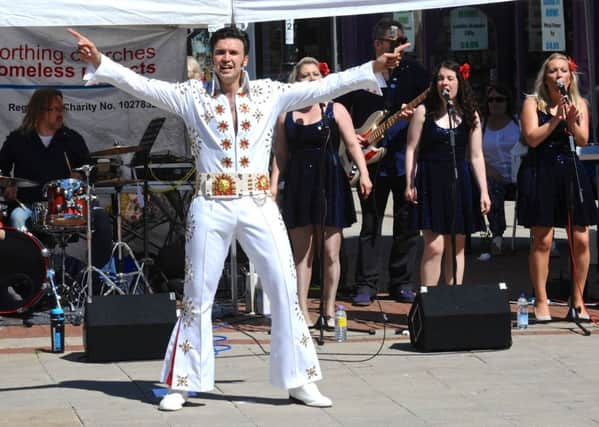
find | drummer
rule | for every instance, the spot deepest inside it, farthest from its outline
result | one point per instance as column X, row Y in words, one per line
column 41, row 150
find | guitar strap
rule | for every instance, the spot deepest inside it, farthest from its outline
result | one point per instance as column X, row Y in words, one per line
column 392, row 88
column 389, row 97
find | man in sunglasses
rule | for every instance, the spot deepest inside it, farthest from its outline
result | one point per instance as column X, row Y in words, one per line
column 399, row 86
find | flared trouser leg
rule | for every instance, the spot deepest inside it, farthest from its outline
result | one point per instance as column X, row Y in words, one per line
column 257, row 224
column 189, row 360
column 263, row 236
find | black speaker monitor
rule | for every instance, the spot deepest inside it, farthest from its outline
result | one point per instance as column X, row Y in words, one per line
column 128, row 327
column 467, row 317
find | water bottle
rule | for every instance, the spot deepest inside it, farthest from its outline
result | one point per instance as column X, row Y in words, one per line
column 340, row 324
column 522, row 314
column 57, row 329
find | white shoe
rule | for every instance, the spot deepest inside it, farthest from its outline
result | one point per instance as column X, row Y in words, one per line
column 309, row 395
column 173, row 400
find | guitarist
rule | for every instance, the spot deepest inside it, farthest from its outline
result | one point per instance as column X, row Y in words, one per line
column 400, row 86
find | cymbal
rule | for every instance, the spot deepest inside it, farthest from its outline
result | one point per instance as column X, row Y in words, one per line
column 9, row 181
column 117, row 149
column 117, row 182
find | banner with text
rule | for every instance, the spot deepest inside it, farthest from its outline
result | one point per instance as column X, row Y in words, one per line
column 31, row 58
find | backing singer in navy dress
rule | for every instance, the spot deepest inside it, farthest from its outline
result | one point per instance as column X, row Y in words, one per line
column 547, row 184
column 433, row 181
column 303, row 188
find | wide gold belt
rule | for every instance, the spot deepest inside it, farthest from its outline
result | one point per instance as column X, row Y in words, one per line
column 231, row 185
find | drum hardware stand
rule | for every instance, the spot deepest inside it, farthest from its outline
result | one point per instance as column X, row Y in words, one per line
column 119, row 246
column 90, row 269
column 121, row 284
column 73, row 299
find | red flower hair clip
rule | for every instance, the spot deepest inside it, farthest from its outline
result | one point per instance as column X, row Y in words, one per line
column 324, row 69
column 465, row 70
column 572, row 64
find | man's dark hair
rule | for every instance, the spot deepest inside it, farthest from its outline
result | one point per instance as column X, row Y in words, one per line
column 230, row 33
column 380, row 29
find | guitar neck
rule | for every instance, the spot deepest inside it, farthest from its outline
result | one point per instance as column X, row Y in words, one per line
column 395, row 117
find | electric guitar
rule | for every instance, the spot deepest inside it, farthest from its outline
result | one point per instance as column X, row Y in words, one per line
column 372, row 131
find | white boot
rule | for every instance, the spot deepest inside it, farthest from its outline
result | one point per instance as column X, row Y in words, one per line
column 309, row 395
column 173, row 400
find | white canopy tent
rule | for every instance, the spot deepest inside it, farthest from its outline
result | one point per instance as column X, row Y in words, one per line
column 196, row 13
column 69, row 13
column 277, row 10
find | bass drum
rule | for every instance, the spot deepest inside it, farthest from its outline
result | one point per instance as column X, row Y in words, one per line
column 24, row 263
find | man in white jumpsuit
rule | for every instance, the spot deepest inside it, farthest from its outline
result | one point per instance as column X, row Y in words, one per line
column 231, row 127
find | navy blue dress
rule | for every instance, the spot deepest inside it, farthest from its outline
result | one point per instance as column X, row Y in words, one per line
column 546, row 179
column 303, row 189
column 433, row 182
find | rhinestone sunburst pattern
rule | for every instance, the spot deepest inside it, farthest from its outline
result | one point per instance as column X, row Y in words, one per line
column 182, row 380
column 188, row 312
column 185, row 346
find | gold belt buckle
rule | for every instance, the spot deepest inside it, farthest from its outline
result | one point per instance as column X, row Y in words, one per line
column 224, row 185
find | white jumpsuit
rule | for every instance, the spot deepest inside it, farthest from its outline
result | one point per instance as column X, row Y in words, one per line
column 251, row 217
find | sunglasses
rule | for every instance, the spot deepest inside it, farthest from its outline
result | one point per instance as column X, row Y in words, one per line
column 397, row 41
column 496, row 99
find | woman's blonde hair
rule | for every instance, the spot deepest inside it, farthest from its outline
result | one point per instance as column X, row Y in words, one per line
column 194, row 71
column 541, row 93
column 305, row 60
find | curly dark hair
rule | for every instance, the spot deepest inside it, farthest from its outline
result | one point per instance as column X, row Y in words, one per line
column 465, row 100
column 230, row 33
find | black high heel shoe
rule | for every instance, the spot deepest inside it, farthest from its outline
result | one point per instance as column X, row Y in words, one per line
column 329, row 323
column 582, row 318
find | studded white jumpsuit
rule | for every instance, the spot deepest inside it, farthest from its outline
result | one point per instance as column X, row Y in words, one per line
column 232, row 201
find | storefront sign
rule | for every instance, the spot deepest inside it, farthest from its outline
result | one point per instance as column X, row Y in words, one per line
column 552, row 18
column 289, row 32
column 469, row 29
column 407, row 20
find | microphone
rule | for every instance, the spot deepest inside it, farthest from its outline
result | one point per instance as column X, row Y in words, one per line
column 324, row 120
column 445, row 95
column 562, row 89
column 84, row 168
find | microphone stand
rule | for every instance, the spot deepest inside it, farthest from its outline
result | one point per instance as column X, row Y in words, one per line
column 572, row 312
column 454, row 180
column 322, row 321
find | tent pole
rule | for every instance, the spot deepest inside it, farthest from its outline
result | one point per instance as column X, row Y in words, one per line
column 591, row 66
column 335, row 44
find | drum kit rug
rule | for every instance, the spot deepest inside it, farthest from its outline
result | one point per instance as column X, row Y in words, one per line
column 27, row 267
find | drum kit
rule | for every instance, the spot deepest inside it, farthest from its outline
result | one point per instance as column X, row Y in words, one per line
column 28, row 266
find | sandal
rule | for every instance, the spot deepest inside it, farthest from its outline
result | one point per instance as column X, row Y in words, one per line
column 546, row 318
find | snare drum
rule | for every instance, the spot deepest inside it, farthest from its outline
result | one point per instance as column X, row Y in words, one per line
column 67, row 204
column 23, row 275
